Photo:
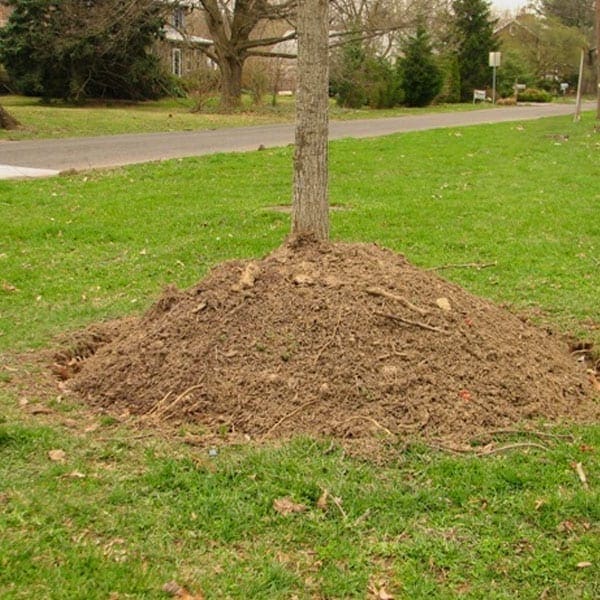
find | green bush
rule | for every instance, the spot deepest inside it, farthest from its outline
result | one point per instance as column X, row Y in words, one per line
column 534, row 95
column 450, row 92
column 359, row 78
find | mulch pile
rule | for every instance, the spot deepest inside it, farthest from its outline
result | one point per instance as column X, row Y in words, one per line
column 347, row 340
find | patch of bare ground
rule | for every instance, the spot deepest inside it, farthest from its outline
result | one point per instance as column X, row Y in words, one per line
column 343, row 340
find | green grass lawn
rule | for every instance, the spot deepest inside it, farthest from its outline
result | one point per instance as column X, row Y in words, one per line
column 59, row 120
column 126, row 511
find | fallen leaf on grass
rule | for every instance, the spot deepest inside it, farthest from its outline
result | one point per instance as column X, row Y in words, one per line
column 57, row 455
column 322, row 501
column 584, row 564
column 286, row 506
column 7, row 287
column 565, row 526
column 75, row 475
column 383, row 594
column 174, row 589
column 378, row 591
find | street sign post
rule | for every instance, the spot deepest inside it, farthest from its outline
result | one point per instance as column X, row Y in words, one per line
column 494, row 62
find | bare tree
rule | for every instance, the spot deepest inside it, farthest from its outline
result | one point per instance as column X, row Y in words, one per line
column 233, row 28
column 240, row 29
column 310, row 211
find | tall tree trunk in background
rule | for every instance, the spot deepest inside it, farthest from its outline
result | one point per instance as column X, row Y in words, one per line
column 310, row 211
column 598, row 59
column 231, row 82
column 7, row 121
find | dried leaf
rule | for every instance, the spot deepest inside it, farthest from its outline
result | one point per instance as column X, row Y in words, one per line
column 383, row 594
column 286, row 506
column 322, row 501
column 57, row 455
column 584, row 564
column 7, row 287
column 76, row 475
column 303, row 279
column 174, row 589
column 444, row 304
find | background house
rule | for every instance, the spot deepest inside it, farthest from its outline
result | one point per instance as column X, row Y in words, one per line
column 185, row 34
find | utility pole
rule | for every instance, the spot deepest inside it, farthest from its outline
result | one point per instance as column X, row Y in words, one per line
column 577, row 116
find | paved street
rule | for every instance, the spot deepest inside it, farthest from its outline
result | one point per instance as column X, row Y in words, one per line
column 40, row 158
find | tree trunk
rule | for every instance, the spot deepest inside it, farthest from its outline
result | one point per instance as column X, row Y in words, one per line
column 231, row 82
column 7, row 121
column 310, row 211
column 598, row 59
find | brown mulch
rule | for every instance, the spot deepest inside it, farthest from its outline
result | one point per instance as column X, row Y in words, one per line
column 347, row 340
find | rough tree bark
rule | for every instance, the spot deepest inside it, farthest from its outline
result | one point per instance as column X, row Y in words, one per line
column 7, row 121
column 310, row 210
column 598, row 59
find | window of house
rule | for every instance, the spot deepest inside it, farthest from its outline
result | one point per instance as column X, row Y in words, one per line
column 176, row 60
column 178, row 18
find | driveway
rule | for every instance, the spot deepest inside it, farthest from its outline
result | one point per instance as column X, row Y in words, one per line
column 41, row 158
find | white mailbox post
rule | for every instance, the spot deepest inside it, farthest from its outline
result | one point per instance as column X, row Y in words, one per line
column 494, row 62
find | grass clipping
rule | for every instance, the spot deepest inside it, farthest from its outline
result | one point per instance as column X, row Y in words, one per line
column 345, row 340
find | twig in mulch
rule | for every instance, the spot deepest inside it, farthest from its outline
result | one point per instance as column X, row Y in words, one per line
column 464, row 266
column 410, row 322
column 289, row 416
column 330, row 340
column 375, row 291
column 160, row 410
column 370, row 419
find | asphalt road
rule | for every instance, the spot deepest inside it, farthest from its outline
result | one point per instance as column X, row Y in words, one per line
column 51, row 156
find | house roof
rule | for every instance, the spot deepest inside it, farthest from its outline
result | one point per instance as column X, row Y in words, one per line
column 172, row 35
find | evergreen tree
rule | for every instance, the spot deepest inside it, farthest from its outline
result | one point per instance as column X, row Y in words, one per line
column 421, row 77
column 475, row 39
column 74, row 49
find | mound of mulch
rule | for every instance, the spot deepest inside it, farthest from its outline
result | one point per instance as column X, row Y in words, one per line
column 347, row 340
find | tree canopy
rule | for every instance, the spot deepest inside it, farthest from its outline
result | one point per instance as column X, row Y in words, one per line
column 572, row 13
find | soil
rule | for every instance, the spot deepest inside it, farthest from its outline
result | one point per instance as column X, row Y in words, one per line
column 344, row 340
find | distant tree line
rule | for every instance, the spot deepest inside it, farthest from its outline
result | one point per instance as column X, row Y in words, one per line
column 383, row 53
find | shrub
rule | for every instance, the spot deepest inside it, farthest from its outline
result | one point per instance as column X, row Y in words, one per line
column 359, row 78
column 534, row 95
column 450, row 91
